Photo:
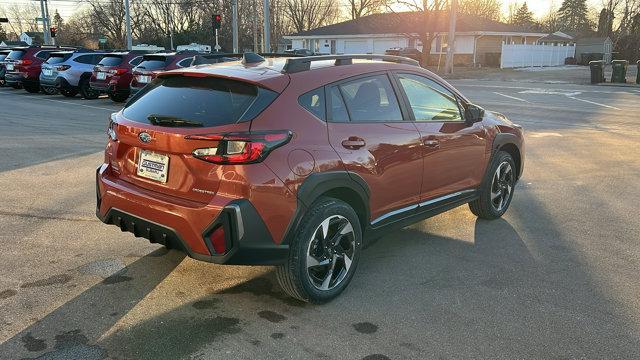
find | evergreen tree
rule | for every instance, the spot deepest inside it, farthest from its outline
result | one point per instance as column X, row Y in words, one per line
column 3, row 34
column 574, row 15
column 523, row 17
column 57, row 20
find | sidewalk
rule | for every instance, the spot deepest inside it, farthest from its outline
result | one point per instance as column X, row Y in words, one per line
column 569, row 74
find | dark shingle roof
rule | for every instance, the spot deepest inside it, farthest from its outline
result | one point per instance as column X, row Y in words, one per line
column 410, row 23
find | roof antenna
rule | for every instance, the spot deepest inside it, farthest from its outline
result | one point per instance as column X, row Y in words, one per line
column 252, row 58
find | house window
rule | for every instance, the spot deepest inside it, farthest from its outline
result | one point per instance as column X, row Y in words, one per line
column 316, row 47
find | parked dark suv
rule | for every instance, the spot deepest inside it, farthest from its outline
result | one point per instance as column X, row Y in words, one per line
column 113, row 74
column 24, row 65
column 70, row 71
column 152, row 64
column 296, row 162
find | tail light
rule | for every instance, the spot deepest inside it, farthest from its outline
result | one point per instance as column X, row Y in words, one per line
column 62, row 67
column 240, row 148
column 117, row 71
column 111, row 129
column 24, row 62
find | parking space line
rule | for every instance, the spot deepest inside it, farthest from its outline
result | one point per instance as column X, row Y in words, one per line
column 586, row 88
column 594, row 103
column 512, row 97
column 70, row 103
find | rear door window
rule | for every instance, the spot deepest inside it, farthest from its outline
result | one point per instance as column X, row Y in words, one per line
column 57, row 58
column 338, row 109
column 15, row 55
column 371, row 99
column 111, row 60
column 85, row 59
column 182, row 101
column 152, row 63
column 185, row 62
column 44, row 54
column 313, row 101
column 136, row 60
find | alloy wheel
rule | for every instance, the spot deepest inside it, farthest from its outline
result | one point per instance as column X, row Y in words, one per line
column 330, row 252
column 502, row 186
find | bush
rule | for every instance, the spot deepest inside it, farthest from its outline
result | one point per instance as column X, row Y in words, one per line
column 570, row 61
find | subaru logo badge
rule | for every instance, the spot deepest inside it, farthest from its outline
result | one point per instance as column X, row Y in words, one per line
column 144, row 137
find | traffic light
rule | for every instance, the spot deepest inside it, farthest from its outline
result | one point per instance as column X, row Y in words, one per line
column 217, row 21
column 53, row 31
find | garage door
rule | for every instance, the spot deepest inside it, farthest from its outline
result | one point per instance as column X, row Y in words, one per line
column 356, row 47
column 380, row 46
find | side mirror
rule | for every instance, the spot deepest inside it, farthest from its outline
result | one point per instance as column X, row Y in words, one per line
column 473, row 114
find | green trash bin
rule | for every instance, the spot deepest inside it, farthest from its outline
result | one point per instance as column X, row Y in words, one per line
column 638, row 75
column 619, row 74
column 597, row 71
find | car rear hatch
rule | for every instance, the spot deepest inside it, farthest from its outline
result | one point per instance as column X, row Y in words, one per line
column 149, row 68
column 107, row 67
column 54, row 64
column 166, row 132
column 14, row 60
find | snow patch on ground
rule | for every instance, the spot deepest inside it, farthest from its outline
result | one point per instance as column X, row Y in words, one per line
column 549, row 68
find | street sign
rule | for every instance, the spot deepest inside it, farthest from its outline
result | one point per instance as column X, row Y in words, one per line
column 102, row 40
column 4, row 20
column 40, row 19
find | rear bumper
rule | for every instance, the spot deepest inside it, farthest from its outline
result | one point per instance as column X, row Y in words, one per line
column 14, row 78
column 186, row 226
column 108, row 88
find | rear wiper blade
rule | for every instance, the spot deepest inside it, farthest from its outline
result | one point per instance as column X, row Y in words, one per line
column 165, row 120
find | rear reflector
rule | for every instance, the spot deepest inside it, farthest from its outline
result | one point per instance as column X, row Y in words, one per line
column 218, row 241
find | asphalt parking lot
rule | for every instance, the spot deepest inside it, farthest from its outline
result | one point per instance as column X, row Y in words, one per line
column 556, row 278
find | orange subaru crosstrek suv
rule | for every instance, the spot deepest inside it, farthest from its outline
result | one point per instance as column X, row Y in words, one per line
column 296, row 162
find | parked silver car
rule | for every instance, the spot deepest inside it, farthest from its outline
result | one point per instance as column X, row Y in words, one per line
column 70, row 71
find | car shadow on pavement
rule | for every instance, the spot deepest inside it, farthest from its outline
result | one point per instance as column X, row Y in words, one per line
column 71, row 331
column 493, row 295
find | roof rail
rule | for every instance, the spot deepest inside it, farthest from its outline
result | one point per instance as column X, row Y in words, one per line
column 295, row 65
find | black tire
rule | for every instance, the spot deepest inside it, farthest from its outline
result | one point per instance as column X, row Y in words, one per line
column 50, row 90
column 294, row 276
column 70, row 92
column 119, row 98
column 487, row 206
column 86, row 91
column 16, row 86
column 31, row 88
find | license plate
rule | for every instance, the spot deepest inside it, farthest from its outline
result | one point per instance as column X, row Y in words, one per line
column 144, row 79
column 10, row 67
column 47, row 72
column 101, row 75
column 153, row 166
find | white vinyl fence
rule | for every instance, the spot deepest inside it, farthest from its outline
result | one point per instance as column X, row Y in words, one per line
column 514, row 56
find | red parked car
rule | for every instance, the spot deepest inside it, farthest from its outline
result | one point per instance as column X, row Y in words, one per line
column 153, row 64
column 113, row 74
column 23, row 66
column 297, row 162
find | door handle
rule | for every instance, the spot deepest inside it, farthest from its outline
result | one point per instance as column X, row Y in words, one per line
column 432, row 143
column 353, row 143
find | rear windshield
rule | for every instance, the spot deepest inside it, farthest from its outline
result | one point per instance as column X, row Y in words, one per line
column 2, row 56
column 58, row 58
column 111, row 60
column 16, row 55
column 153, row 63
column 181, row 101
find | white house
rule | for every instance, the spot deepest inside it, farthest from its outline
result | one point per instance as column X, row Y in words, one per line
column 478, row 41
column 32, row 38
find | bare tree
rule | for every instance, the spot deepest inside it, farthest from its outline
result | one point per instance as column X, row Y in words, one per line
column 488, row 9
column 360, row 8
column 309, row 14
column 432, row 17
column 22, row 17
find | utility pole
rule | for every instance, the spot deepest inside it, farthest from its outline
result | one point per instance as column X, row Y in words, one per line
column 127, row 17
column 234, row 24
column 255, row 26
column 44, row 23
column 170, row 22
column 52, row 40
column 451, row 38
column 267, row 27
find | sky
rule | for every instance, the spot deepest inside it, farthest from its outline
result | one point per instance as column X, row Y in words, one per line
column 538, row 7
